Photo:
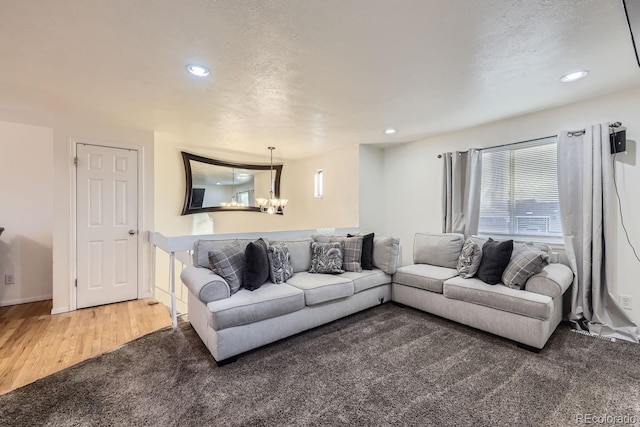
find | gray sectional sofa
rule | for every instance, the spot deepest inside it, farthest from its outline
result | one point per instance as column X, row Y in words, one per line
column 432, row 284
column 231, row 324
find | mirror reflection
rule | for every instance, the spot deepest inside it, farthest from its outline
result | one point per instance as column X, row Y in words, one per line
column 216, row 185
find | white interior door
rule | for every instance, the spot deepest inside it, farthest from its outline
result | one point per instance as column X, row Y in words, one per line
column 107, row 225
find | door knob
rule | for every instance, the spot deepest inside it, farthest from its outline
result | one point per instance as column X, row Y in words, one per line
column 132, row 232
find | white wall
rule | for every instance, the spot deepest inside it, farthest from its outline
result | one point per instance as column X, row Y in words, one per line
column 339, row 207
column 372, row 199
column 26, row 197
column 413, row 175
column 98, row 130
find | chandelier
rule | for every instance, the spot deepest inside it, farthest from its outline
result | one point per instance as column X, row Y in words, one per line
column 272, row 204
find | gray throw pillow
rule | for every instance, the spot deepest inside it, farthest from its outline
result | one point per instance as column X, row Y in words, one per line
column 526, row 260
column 326, row 257
column 280, row 268
column 352, row 255
column 469, row 260
column 227, row 263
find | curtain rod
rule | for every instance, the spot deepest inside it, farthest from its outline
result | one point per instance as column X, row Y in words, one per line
column 571, row 133
column 511, row 143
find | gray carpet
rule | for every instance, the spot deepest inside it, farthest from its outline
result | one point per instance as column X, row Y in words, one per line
column 390, row 365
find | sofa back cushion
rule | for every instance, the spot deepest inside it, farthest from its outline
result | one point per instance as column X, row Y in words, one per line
column 442, row 249
column 385, row 253
column 300, row 251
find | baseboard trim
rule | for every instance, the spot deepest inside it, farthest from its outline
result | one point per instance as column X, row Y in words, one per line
column 60, row 310
column 4, row 303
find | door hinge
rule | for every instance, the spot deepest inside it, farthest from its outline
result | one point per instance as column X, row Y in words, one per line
column 76, row 283
column 75, row 161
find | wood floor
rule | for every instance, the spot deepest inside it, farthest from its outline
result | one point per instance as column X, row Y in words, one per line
column 34, row 344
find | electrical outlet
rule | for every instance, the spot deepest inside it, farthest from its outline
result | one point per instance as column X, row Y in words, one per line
column 9, row 279
column 626, row 302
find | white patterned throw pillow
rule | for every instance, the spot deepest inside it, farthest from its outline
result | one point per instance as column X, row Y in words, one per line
column 469, row 260
column 326, row 257
column 280, row 268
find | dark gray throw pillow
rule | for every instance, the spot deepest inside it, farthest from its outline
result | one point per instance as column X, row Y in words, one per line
column 326, row 257
column 495, row 258
column 367, row 250
column 227, row 263
column 256, row 265
column 280, row 268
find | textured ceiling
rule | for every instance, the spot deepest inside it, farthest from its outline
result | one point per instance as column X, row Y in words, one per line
column 308, row 75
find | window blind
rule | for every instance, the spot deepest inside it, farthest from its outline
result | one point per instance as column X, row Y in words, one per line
column 519, row 190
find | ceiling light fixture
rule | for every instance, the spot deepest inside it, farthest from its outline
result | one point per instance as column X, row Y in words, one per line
column 272, row 204
column 390, row 131
column 198, row 70
column 575, row 76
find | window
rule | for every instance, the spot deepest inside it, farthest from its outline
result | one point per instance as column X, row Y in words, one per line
column 519, row 190
column 318, row 190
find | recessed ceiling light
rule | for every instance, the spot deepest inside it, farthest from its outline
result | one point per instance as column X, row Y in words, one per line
column 198, row 70
column 390, row 131
column 572, row 77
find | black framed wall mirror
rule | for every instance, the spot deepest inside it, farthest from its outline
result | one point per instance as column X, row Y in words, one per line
column 217, row 186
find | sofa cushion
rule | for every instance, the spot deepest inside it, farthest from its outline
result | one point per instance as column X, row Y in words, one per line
column 227, row 263
column 256, row 265
column 385, row 253
column 469, row 260
column 352, row 253
column 326, row 258
column 280, row 268
column 202, row 247
column 424, row 276
column 367, row 279
column 442, row 249
column 367, row 249
column 245, row 307
column 500, row 297
column 495, row 258
column 319, row 288
column 526, row 260
column 300, row 250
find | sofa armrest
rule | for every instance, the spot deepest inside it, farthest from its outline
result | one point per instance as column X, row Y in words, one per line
column 205, row 284
column 552, row 281
column 385, row 253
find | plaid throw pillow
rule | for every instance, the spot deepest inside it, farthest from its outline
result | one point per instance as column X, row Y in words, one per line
column 526, row 261
column 227, row 263
column 352, row 254
column 326, row 257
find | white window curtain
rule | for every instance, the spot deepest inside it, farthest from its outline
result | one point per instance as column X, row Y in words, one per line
column 461, row 191
column 585, row 188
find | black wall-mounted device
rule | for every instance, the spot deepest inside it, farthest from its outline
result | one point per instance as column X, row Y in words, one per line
column 618, row 140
